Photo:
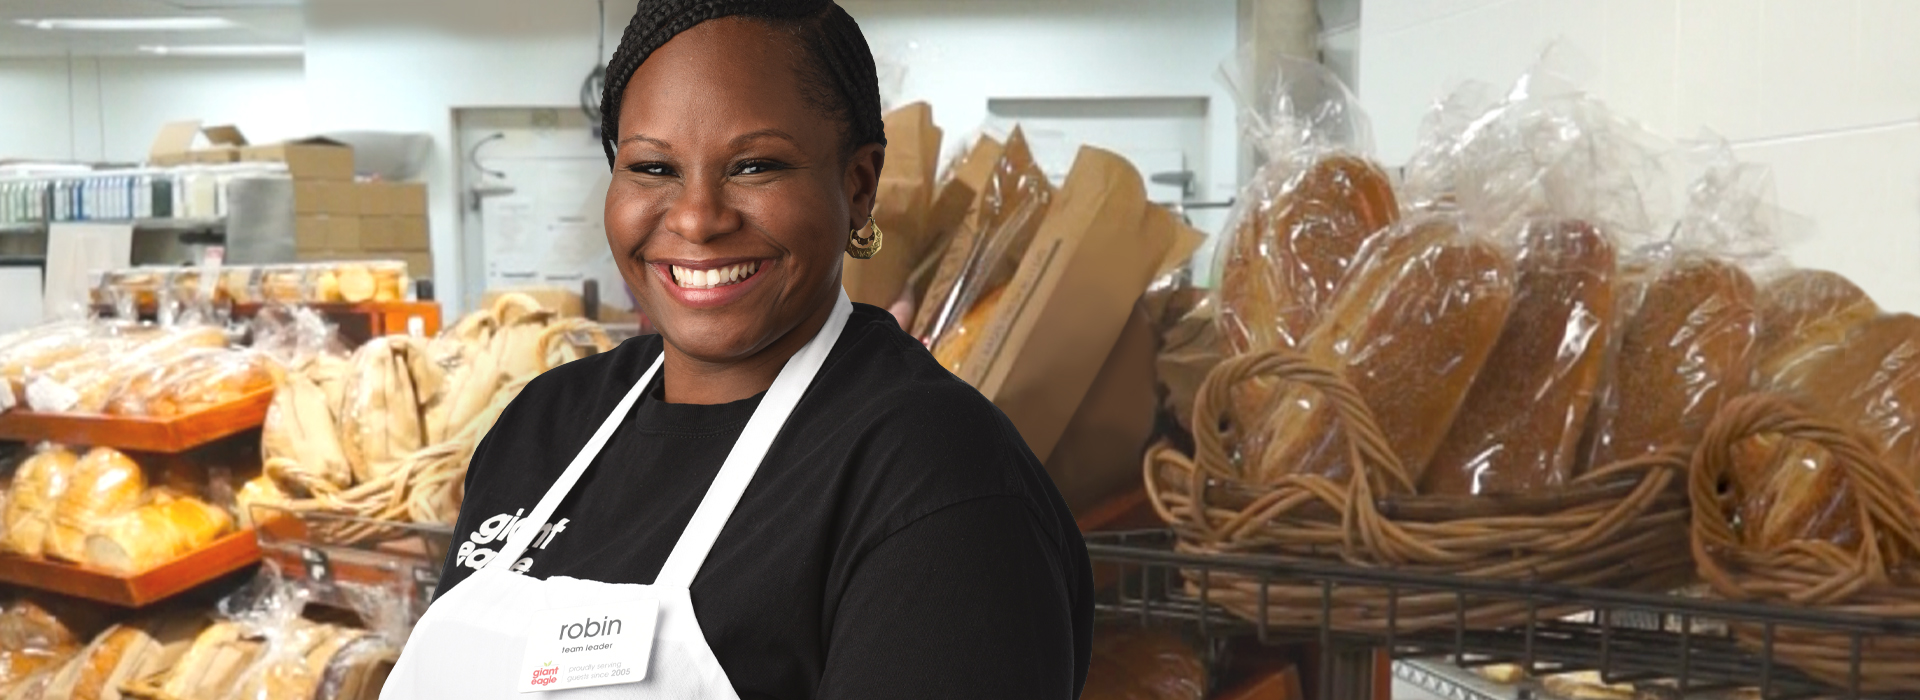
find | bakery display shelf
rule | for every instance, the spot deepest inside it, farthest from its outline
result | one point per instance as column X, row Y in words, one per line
column 1626, row 636
column 235, row 551
column 404, row 561
column 168, row 224
column 140, row 433
column 357, row 322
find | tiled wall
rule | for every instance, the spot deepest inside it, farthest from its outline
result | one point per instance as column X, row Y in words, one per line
column 1827, row 92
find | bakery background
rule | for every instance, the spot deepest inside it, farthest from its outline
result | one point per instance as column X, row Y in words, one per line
column 281, row 262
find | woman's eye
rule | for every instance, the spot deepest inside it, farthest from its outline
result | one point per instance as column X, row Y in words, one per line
column 656, row 169
column 757, row 167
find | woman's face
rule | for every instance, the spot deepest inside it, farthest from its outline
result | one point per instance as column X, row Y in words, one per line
column 730, row 202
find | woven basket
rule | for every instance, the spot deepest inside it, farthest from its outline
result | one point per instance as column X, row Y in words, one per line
column 1875, row 578
column 420, row 488
column 1622, row 526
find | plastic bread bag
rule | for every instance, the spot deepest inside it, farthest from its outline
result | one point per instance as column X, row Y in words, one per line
column 1409, row 330
column 86, row 384
column 956, row 201
column 1557, row 175
column 153, row 534
column 32, row 642
column 293, row 335
column 989, row 247
column 35, row 348
column 105, row 484
column 1688, row 318
column 1302, row 218
column 198, row 379
column 33, row 497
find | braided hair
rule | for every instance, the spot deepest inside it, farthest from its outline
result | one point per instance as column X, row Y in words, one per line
column 837, row 77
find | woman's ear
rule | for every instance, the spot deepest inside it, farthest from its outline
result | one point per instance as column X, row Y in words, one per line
column 863, row 182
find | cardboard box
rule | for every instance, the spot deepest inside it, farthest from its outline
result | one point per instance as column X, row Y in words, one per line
column 419, row 265
column 310, row 233
column 410, row 233
column 376, row 232
column 312, row 158
column 175, row 144
column 343, row 233
column 406, row 198
column 369, row 198
column 322, row 197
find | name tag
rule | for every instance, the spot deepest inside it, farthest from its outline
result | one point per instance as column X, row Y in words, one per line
column 587, row 646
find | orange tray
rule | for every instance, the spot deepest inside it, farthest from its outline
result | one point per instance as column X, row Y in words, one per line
column 224, row 556
column 138, row 433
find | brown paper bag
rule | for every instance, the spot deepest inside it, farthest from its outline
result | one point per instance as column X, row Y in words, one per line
column 901, row 207
column 1100, row 245
column 954, row 207
column 1098, row 455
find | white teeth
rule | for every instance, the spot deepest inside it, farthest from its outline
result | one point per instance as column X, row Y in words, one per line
column 708, row 279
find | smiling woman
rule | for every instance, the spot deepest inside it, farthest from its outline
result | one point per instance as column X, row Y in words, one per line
column 789, row 488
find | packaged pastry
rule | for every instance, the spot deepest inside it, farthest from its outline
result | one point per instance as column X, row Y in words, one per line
column 240, row 283
column 155, row 534
column 1519, row 428
column 1410, row 330
column 37, row 348
column 32, row 643
column 198, row 380
column 34, row 496
column 86, row 384
column 105, row 483
column 1305, row 214
column 283, row 284
column 1685, row 349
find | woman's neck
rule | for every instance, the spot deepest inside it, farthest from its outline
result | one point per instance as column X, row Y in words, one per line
column 694, row 381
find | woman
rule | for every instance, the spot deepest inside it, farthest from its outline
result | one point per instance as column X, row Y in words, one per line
column 781, row 495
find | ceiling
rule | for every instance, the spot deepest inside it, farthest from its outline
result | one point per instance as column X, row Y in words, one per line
column 257, row 22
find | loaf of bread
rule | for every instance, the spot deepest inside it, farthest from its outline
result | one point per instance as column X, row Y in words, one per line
column 214, row 665
column 155, row 534
column 1290, row 251
column 96, row 388
column 105, row 484
column 1410, row 329
column 1685, row 350
column 994, row 238
column 382, row 419
column 296, row 662
column 1805, row 314
column 958, row 342
column 1519, row 429
column 1788, row 490
column 34, row 497
column 198, row 380
column 32, row 642
column 125, row 652
column 1144, row 663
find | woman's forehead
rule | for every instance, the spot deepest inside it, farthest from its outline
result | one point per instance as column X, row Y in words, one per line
column 728, row 75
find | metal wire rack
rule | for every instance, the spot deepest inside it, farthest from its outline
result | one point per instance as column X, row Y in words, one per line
column 1679, row 645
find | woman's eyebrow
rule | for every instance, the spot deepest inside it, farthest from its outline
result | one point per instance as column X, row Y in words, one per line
column 657, row 143
column 742, row 139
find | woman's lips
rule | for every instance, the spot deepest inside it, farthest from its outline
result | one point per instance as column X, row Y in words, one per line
column 704, row 284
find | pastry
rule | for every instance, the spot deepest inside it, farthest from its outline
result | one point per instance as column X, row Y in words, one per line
column 1288, row 255
column 1683, row 352
column 1519, row 428
column 1409, row 330
column 105, row 484
column 34, row 496
column 1803, row 315
column 155, row 534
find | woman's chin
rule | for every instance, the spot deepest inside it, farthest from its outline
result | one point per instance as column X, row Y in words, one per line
column 711, row 340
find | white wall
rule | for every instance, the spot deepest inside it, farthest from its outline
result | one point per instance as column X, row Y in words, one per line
column 406, row 66
column 1822, row 90
column 109, row 108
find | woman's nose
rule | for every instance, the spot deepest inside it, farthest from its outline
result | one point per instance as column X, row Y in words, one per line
column 701, row 214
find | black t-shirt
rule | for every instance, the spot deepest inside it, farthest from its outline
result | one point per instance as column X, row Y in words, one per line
column 899, row 540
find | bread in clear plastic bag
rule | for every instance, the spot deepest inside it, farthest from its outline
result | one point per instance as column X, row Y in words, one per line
column 983, row 256
column 37, row 348
column 32, row 644
column 1304, row 216
column 86, row 384
column 106, row 483
column 1410, row 330
column 197, row 380
column 1805, row 315
column 1519, row 428
column 156, row 533
column 34, row 497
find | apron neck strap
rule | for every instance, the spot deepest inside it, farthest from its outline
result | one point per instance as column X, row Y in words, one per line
column 716, row 507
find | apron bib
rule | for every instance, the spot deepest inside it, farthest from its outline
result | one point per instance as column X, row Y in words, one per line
column 474, row 641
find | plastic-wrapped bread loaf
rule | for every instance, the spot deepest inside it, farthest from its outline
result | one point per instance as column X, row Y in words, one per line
column 105, row 484
column 214, row 665
column 1410, row 331
column 155, row 534
column 1289, row 253
column 1685, row 350
column 33, row 498
column 122, row 653
column 1805, row 314
column 1519, row 429
column 1788, row 490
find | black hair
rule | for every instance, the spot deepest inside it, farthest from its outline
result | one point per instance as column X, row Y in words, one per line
column 837, row 75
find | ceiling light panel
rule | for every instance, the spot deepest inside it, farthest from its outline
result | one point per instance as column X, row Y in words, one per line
column 128, row 24
column 227, row 50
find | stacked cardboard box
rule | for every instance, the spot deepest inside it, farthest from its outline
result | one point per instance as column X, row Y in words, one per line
column 335, row 218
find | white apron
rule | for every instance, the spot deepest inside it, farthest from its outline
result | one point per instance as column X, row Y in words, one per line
column 470, row 642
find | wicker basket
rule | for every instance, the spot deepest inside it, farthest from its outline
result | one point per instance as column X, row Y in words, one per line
column 1875, row 578
column 1620, row 526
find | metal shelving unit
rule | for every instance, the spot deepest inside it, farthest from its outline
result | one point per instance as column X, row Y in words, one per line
column 1627, row 637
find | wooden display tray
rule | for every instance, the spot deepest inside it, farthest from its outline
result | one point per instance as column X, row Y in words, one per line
column 226, row 555
column 139, row 433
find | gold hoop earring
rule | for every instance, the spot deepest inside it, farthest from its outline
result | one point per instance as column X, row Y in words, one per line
column 863, row 249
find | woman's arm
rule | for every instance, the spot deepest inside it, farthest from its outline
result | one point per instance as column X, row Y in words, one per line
column 970, row 601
